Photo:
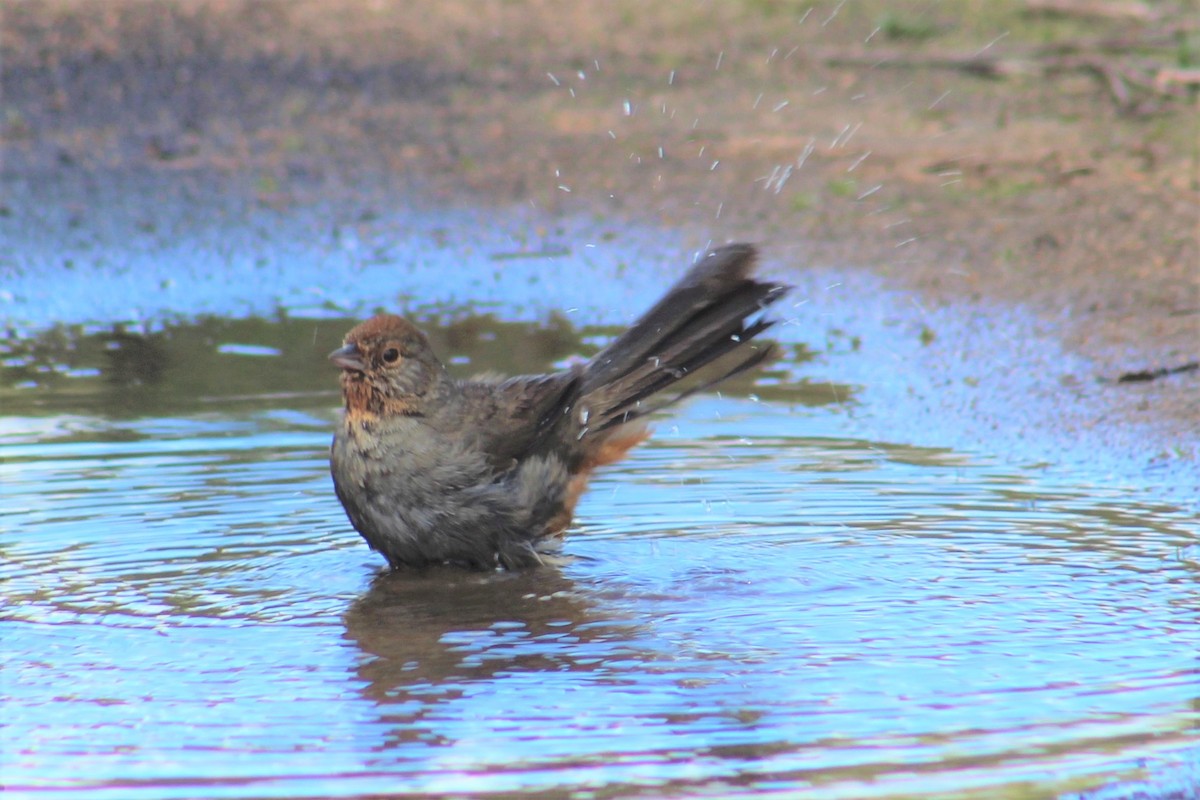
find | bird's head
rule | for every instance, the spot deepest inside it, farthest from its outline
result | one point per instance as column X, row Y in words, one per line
column 387, row 367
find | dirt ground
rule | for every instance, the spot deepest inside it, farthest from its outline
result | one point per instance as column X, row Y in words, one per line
column 997, row 152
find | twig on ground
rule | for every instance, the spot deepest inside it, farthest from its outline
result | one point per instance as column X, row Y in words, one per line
column 1143, row 375
column 1133, row 84
column 1106, row 9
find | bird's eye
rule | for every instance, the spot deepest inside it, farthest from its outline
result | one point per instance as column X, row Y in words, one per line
column 391, row 355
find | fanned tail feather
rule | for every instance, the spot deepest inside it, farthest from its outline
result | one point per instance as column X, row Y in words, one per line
column 707, row 314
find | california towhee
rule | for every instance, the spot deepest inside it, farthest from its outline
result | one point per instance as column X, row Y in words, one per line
column 487, row 472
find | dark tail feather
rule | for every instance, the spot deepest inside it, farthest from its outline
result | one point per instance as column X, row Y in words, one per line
column 712, row 277
column 625, row 396
column 704, row 316
column 637, row 409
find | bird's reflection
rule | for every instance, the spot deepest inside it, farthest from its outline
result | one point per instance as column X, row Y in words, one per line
column 429, row 637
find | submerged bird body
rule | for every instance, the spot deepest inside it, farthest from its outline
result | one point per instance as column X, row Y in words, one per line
column 486, row 473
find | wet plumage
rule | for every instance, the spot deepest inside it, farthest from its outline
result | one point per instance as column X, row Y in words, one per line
column 487, row 473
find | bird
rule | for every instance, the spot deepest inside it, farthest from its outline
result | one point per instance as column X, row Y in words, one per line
column 485, row 473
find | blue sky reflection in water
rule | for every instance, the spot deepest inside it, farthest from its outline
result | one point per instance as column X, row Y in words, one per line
column 758, row 598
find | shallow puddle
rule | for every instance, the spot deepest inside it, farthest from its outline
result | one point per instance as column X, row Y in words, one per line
column 756, row 600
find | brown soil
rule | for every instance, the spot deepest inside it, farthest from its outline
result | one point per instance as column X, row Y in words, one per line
column 858, row 134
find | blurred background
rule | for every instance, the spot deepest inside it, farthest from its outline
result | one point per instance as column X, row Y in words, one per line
column 946, row 546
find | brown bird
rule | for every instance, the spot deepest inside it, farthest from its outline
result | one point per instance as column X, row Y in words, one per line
column 487, row 472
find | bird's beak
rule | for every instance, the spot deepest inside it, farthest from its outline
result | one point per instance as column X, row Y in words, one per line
column 348, row 357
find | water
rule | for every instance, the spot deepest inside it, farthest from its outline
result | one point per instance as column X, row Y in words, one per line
column 759, row 599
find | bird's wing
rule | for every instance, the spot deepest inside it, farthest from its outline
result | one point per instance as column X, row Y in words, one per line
column 524, row 415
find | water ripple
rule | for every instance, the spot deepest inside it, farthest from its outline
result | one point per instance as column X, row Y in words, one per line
column 756, row 601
